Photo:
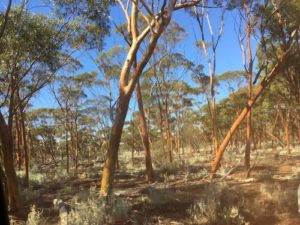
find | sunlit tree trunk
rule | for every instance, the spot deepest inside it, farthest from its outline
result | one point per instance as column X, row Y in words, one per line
column 144, row 134
column 270, row 77
column 113, row 146
column 127, row 83
column 249, row 69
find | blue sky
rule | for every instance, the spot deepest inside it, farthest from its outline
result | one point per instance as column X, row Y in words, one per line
column 228, row 52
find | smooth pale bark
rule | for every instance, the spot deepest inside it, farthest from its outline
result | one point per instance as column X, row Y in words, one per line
column 270, row 77
column 126, row 89
column 144, row 134
column 14, row 199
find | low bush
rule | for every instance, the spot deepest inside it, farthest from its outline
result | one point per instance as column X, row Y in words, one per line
column 219, row 205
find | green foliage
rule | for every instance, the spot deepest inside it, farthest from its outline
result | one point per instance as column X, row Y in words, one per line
column 90, row 19
column 94, row 210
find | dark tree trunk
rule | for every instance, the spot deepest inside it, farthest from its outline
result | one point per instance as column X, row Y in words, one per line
column 14, row 199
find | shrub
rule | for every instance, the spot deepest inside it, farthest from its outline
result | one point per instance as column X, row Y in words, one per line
column 219, row 206
column 96, row 210
column 284, row 198
column 35, row 217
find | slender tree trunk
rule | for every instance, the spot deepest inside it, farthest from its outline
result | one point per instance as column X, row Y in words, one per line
column 77, row 146
column 168, row 132
column 67, row 142
column 270, row 77
column 29, row 143
column 144, row 134
column 285, row 124
column 161, row 119
column 67, row 151
column 23, row 136
column 18, row 146
column 287, row 139
column 248, row 127
column 25, row 148
column 214, row 119
column 249, row 75
column 178, row 142
column 113, row 146
column 14, row 199
column 169, row 140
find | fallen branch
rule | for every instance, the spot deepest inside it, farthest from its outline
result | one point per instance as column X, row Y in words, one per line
column 229, row 172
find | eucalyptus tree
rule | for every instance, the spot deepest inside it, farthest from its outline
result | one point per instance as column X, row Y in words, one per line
column 5, row 16
column 168, row 66
column 109, row 66
column 31, row 52
column 278, row 33
column 44, row 134
column 70, row 93
column 202, row 16
column 183, row 99
column 157, row 16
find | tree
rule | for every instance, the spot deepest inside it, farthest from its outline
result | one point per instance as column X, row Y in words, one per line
column 273, row 18
column 211, row 61
column 70, row 94
column 30, row 55
column 157, row 20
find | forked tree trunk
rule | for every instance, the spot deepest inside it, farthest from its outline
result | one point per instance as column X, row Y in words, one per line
column 270, row 77
column 126, row 88
column 14, row 199
column 144, row 134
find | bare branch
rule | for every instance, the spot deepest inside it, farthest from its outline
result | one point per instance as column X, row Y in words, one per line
column 125, row 13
